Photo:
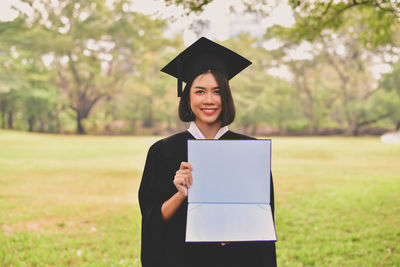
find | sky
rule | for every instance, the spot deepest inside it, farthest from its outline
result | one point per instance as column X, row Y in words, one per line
column 5, row 12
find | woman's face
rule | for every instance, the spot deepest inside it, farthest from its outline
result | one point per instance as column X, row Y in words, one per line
column 205, row 99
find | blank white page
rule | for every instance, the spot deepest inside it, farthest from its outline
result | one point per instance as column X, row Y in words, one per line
column 230, row 171
column 229, row 223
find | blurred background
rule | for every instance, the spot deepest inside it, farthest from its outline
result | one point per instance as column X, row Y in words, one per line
column 82, row 98
column 319, row 67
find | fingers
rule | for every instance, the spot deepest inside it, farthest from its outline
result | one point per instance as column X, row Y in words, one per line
column 185, row 165
column 190, row 178
column 181, row 184
column 186, row 175
column 183, row 178
column 186, row 169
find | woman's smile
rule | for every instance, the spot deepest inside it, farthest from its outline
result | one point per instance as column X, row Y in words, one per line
column 209, row 111
column 205, row 100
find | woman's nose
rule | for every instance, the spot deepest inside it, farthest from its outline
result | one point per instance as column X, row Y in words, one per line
column 209, row 98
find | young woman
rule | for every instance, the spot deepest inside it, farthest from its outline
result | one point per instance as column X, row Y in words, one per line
column 207, row 103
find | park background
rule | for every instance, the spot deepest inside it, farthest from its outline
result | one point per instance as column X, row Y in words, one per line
column 82, row 99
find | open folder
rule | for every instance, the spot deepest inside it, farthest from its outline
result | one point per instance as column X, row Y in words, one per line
column 229, row 199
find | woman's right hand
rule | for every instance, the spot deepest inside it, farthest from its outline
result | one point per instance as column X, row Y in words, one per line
column 183, row 178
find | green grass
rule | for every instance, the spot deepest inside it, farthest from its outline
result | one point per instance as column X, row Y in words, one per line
column 72, row 200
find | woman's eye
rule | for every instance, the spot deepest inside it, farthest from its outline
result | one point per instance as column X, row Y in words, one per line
column 199, row 92
column 217, row 91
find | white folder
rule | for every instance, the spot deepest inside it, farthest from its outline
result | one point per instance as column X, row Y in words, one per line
column 229, row 199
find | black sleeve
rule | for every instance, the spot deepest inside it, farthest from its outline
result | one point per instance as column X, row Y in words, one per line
column 150, row 201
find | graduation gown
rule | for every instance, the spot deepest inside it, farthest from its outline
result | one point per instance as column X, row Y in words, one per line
column 163, row 243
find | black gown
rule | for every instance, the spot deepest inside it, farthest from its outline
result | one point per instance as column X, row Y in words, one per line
column 163, row 243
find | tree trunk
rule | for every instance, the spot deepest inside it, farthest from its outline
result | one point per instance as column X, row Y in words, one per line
column 254, row 129
column 302, row 85
column 10, row 121
column 56, row 128
column 80, row 129
column 353, row 128
column 31, row 124
column 315, row 128
column 133, row 125
column 42, row 125
column 3, row 114
column 398, row 126
column 356, row 130
column 148, row 120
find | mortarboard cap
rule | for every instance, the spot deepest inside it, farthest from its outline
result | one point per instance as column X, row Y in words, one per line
column 201, row 56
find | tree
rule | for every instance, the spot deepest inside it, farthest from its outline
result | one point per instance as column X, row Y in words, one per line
column 380, row 17
column 93, row 45
column 391, row 83
column 336, row 83
column 149, row 96
column 262, row 98
column 39, row 99
column 10, row 74
column 372, row 25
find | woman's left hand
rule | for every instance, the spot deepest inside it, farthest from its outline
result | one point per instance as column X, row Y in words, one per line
column 183, row 178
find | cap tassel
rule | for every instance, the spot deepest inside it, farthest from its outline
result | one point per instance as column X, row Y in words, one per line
column 180, row 74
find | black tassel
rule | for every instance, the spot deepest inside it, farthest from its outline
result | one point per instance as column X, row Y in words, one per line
column 180, row 74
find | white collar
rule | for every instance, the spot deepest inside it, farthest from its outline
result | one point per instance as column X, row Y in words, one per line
column 195, row 131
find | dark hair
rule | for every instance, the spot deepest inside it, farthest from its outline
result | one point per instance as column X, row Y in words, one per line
column 228, row 107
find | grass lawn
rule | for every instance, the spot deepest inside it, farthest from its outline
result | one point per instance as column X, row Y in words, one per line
column 72, row 200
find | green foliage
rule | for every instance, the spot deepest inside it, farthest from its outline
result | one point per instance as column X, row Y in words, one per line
column 96, row 65
column 391, row 83
column 259, row 97
column 28, row 93
column 380, row 19
column 336, row 85
column 94, row 46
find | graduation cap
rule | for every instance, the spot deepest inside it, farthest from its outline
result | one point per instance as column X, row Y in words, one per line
column 201, row 56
